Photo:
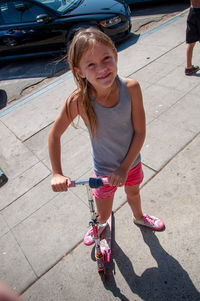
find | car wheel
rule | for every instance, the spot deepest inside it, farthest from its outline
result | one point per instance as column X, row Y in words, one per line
column 9, row 41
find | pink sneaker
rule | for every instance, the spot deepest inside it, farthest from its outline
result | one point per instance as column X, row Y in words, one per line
column 89, row 236
column 151, row 222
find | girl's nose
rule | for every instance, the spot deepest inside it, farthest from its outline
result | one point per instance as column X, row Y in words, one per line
column 101, row 67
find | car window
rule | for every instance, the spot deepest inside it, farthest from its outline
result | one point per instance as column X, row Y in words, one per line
column 60, row 5
column 19, row 11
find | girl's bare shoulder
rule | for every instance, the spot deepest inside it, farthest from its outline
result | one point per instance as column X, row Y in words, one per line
column 133, row 88
column 74, row 106
column 132, row 83
column 74, row 99
column 74, row 102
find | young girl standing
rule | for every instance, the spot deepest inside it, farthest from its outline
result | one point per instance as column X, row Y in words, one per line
column 113, row 112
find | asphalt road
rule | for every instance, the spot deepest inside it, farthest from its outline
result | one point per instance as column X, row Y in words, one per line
column 25, row 76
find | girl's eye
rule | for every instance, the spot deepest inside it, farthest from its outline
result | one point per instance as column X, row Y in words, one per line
column 107, row 58
column 91, row 65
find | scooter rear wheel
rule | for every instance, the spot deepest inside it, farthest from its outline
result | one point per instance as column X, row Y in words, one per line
column 102, row 276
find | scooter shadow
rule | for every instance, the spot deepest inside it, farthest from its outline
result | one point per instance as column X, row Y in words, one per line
column 167, row 281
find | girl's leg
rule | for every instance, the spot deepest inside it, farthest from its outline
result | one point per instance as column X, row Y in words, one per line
column 134, row 201
column 104, row 209
column 133, row 198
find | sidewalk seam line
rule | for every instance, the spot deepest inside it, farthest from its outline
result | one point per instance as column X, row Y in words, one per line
column 53, row 265
column 24, row 253
column 1, row 210
column 157, row 58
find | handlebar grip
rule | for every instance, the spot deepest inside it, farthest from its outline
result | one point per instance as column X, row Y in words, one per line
column 95, row 182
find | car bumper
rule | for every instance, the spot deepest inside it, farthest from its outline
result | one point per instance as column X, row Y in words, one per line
column 118, row 32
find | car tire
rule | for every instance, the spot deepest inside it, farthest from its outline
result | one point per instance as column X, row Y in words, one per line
column 10, row 41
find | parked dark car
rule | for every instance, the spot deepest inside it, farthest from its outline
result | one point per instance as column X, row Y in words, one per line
column 35, row 27
column 143, row 1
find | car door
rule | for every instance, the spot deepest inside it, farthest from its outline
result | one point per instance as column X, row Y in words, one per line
column 26, row 27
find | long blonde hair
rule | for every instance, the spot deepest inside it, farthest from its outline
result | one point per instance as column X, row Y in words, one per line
column 81, row 43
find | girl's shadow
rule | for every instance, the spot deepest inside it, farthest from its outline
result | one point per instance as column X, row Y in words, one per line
column 167, row 282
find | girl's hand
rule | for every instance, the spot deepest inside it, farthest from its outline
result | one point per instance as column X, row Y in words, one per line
column 118, row 177
column 7, row 294
column 60, row 183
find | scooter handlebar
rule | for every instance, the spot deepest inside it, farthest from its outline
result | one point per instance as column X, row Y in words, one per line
column 95, row 182
column 92, row 182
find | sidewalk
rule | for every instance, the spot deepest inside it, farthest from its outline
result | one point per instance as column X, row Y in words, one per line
column 38, row 227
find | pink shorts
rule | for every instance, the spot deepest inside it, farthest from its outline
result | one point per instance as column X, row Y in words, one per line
column 135, row 177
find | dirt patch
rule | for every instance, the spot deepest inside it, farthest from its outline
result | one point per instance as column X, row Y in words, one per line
column 30, row 89
column 151, row 24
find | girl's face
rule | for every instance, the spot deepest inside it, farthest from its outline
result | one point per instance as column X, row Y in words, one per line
column 99, row 65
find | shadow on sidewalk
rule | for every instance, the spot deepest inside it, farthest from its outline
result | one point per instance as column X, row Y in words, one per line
column 131, row 40
column 45, row 66
column 169, row 281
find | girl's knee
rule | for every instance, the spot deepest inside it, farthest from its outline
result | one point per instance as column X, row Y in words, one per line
column 104, row 209
column 132, row 190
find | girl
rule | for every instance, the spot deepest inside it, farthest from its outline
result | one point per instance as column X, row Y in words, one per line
column 113, row 112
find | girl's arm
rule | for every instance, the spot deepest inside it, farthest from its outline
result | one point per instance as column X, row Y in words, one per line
column 7, row 294
column 60, row 182
column 138, row 119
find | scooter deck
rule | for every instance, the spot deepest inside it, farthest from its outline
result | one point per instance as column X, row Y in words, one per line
column 105, row 240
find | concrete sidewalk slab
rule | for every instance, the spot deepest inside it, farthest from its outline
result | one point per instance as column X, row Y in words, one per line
column 18, row 186
column 15, row 269
column 28, row 203
column 52, row 231
column 178, row 81
column 163, row 142
column 138, row 57
column 175, row 57
column 40, row 111
column 152, row 46
column 38, row 143
column 78, row 157
column 188, row 106
column 3, row 226
column 15, row 157
column 158, row 99
column 153, row 72
column 170, row 35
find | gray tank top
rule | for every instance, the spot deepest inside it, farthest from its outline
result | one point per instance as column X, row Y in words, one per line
column 111, row 144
